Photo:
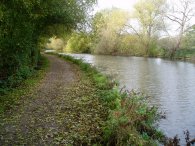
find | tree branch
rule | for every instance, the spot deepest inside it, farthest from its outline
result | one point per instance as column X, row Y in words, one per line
column 134, row 30
column 172, row 19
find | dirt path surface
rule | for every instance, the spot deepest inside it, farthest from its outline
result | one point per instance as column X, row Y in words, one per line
column 52, row 115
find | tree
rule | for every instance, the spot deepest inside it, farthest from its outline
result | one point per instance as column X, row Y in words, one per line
column 108, row 26
column 148, row 15
column 79, row 42
column 181, row 14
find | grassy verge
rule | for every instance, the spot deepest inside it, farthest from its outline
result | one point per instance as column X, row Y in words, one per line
column 12, row 96
column 130, row 120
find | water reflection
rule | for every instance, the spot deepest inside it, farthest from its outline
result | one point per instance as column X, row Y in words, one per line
column 170, row 83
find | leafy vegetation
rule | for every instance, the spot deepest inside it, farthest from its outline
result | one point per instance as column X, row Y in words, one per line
column 130, row 120
column 107, row 27
column 11, row 97
column 78, row 43
column 149, row 15
column 185, row 54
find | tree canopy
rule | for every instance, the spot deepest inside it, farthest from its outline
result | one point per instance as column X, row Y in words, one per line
column 107, row 27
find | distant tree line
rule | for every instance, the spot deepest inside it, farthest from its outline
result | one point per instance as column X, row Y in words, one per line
column 154, row 28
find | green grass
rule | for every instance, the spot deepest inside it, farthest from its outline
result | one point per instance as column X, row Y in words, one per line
column 130, row 119
column 12, row 96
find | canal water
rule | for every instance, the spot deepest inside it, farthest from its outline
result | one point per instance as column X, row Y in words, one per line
column 171, row 85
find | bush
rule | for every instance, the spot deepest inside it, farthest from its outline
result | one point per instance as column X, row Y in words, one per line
column 24, row 81
column 21, row 74
column 131, row 122
column 185, row 53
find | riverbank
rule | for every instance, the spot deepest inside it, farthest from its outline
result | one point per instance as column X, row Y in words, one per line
column 160, row 79
column 187, row 55
column 130, row 120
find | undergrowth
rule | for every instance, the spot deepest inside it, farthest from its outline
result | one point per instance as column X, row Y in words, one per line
column 185, row 54
column 130, row 119
column 21, row 84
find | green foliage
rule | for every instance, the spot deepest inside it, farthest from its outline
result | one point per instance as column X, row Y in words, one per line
column 100, row 80
column 16, row 79
column 189, row 39
column 127, row 45
column 78, row 43
column 107, row 27
column 10, row 97
column 187, row 47
column 149, row 14
column 185, row 53
column 154, row 50
column 131, row 123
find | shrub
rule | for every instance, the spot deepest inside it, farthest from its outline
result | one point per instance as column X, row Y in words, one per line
column 24, row 81
column 132, row 121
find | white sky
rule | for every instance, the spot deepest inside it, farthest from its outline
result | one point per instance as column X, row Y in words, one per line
column 124, row 4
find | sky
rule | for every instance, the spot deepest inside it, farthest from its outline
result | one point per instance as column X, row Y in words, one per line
column 124, row 4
